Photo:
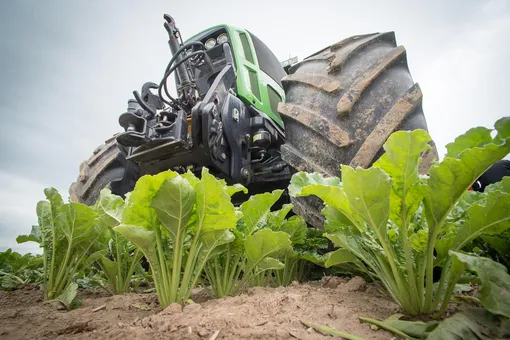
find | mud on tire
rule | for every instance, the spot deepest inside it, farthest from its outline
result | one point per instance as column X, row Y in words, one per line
column 342, row 104
column 106, row 168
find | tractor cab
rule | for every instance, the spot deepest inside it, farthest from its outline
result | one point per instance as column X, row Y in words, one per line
column 258, row 71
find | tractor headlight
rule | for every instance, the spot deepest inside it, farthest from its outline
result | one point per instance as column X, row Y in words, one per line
column 222, row 38
column 210, row 43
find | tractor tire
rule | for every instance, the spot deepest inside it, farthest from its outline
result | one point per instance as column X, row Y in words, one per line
column 342, row 104
column 106, row 168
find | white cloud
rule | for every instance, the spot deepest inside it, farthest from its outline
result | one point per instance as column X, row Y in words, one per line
column 18, row 199
column 494, row 7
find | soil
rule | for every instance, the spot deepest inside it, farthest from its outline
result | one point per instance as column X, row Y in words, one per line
column 260, row 313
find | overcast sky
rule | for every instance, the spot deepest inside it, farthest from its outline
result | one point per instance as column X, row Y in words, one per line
column 68, row 68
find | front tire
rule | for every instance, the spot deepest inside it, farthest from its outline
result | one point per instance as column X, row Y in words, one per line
column 106, row 168
column 341, row 106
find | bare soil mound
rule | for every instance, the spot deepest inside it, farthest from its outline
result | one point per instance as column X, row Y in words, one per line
column 260, row 313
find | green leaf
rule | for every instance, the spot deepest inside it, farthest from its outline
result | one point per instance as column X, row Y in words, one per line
column 315, row 182
column 503, row 128
column 269, row 263
column 67, row 296
column 456, row 327
column 95, row 257
column 455, row 272
column 214, row 209
column 111, row 204
column 264, row 243
column 368, row 192
column 419, row 240
column 443, row 246
column 494, row 293
column 503, row 185
column 216, row 238
column 276, row 218
column 336, row 219
column 256, row 209
column 79, row 224
column 415, row 329
column 385, row 326
column 237, row 246
column 191, row 178
column 338, row 211
column 314, row 257
column 491, row 218
column 453, row 176
column 144, row 239
column 401, row 161
column 110, row 268
column 234, row 189
column 475, row 137
column 501, row 245
column 328, row 189
column 138, row 210
column 330, row 331
column 34, row 236
column 493, row 326
column 296, row 228
column 173, row 204
column 339, row 256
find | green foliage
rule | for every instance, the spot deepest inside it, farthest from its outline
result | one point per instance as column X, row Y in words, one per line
column 326, row 330
column 17, row 270
column 294, row 264
column 66, row 232
column 491, row 243
column 177, row 222
column 306, row 245
column 495, row 281
column 118, row 258
column 254, row 250
column 467, row 324
column 392, row 219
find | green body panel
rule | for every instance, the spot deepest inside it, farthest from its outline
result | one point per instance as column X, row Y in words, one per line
column 259, row 98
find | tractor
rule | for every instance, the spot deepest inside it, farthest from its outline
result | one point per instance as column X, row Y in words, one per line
column 249, row 120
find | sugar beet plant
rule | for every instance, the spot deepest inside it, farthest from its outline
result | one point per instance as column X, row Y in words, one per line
column 17, row 270
column 178, row 221
column 117, row 258
column 255, row 249
column 66, row 232
column 392, row 219
column 306, row 243
column 293, row 268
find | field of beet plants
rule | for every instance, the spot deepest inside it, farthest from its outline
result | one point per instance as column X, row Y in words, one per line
column 401, row 255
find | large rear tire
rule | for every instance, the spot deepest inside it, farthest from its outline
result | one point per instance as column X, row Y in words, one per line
column 106, row 168
column 342, row 104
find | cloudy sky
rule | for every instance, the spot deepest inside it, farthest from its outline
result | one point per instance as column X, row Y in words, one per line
column 68, row 68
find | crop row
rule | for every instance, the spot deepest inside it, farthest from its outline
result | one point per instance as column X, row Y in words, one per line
column 415, row 234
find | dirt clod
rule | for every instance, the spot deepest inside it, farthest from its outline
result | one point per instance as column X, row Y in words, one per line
column 356, row 284
column 192, row 309
column 172, row 309
column 331, row 281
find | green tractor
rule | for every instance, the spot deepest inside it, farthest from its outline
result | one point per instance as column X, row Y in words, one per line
column 239, row 113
